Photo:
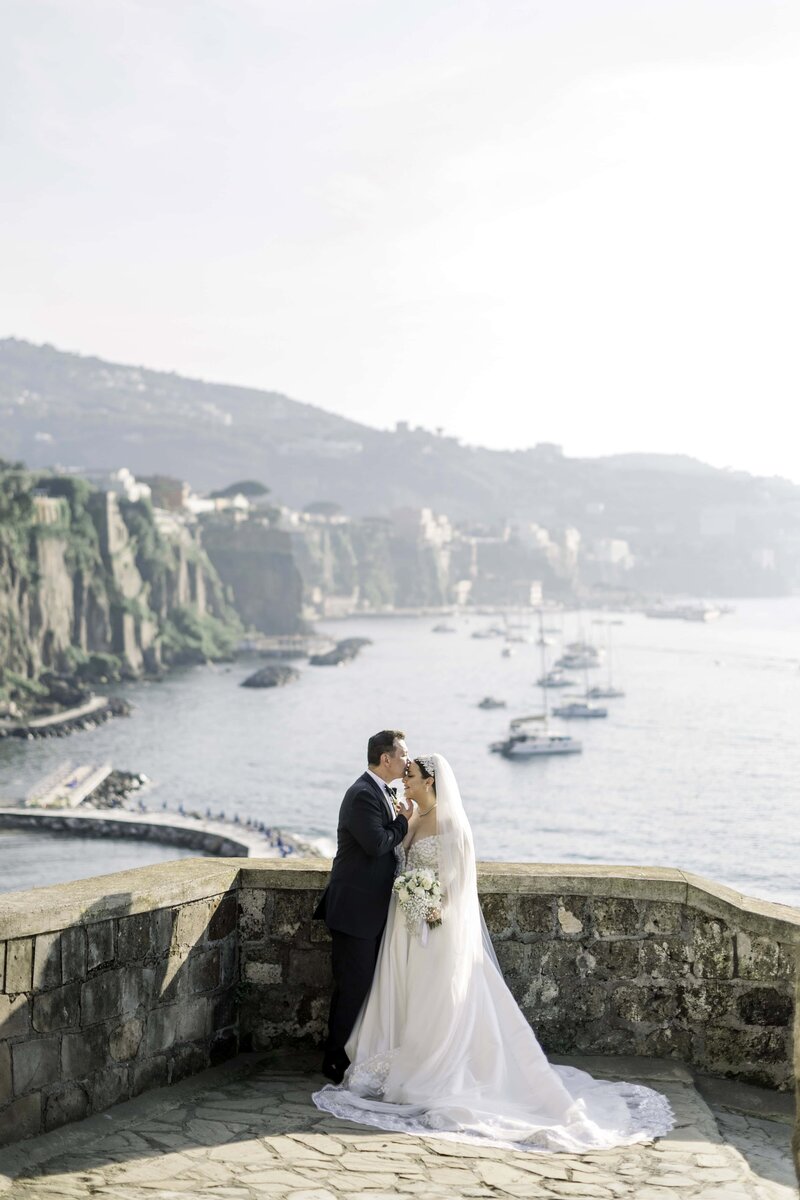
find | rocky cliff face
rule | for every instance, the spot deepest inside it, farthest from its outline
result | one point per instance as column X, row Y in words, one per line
column 371, row 564
column 258, row 564
column 276, row 575
column 82, row 574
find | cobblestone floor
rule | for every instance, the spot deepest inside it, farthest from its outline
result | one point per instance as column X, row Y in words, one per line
column 249, row 1130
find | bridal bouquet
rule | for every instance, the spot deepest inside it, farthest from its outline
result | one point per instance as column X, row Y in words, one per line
column 419, row 895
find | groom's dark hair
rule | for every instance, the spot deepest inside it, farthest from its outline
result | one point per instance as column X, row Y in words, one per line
column 382, row 743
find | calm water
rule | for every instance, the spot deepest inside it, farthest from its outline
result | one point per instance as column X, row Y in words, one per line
column 697, row 767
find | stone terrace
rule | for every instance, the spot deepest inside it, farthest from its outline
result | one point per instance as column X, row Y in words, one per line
column 113, row 987
column 249, row 1129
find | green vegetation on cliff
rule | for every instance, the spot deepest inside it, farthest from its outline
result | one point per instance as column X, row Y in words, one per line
column 191, row 637
column 91, row 587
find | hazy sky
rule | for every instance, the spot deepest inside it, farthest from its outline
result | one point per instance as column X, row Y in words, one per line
column 553, row 220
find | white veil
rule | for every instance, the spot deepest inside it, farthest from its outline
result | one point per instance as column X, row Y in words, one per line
column 457, row 868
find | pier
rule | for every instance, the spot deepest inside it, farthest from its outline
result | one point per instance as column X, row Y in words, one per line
column 214, row 837
column 68, row 786
column 85, row 716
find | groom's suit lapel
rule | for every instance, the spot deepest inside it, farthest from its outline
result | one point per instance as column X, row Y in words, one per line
column 376, row 791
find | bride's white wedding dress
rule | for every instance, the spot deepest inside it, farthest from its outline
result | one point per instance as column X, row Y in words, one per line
column 441, row 1046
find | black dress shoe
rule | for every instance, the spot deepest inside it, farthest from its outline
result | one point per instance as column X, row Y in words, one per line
column 334, row 1067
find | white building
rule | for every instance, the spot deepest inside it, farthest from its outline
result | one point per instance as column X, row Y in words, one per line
column 612, row 552
column 121, row 482
column 422, row 524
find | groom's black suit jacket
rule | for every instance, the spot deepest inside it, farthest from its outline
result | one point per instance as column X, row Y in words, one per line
column 356, row 899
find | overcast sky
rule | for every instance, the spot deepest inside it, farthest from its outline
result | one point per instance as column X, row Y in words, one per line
column 553, row 220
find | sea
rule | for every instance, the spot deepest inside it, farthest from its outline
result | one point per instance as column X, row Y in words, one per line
column 697, row 767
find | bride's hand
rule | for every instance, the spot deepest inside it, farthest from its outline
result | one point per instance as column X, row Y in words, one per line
column 404, row 807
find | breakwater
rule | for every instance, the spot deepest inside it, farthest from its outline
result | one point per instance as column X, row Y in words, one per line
column 219, row 838
column 123, row 982
column 94, row 712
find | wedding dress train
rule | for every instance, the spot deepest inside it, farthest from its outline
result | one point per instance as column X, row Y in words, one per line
column 441, row 1046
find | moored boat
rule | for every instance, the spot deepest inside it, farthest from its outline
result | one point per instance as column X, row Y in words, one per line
column 579, row 709
column 529, row 737
column 604, row 693
column 554, row 679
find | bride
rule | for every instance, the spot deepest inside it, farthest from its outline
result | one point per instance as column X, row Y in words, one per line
column 440, row 1045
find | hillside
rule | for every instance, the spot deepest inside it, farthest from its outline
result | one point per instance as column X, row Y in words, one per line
column 690, row 526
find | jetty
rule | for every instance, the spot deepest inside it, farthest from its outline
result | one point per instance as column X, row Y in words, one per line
column 229, row 839
column 68, row 786
column 92, row 712
column 71, row 800
column 285, row 646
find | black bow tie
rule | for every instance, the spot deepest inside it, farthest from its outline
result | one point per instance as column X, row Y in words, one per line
column 392, row 792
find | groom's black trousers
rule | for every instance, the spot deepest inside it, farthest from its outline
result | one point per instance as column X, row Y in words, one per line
column 353, row 961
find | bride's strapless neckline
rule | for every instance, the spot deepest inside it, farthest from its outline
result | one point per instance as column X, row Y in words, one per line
column 423, row 853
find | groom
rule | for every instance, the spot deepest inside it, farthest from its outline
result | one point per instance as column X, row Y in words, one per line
column 355, row 903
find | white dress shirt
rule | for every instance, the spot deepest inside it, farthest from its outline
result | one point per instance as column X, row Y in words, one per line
column 399, row 854
column 383, row 785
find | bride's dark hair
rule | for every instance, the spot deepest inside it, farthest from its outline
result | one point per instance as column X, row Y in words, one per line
column 426, row 767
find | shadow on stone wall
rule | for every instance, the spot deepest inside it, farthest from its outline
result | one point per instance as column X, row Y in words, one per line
column 97, row 1012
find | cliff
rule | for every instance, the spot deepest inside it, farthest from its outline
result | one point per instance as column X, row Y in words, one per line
column 88, row 585
column 256, row 563
column 369, row 561
column 276, row 575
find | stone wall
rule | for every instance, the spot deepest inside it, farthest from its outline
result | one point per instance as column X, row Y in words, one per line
column 601, row 961
column 115, row 984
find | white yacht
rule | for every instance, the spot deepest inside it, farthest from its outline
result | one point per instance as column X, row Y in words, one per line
column 598, row 692
column 529, row 737
column 699, row 611
column 579, row 708
column 554, row 679
column 580, row 656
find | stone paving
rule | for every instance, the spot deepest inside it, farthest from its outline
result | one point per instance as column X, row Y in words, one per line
column 249, row 1130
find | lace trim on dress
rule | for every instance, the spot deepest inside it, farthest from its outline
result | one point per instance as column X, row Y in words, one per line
column 650, row 1117
column 367, row 1078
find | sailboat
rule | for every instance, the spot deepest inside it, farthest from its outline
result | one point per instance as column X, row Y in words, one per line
column 607, row 691
column 530, row 737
